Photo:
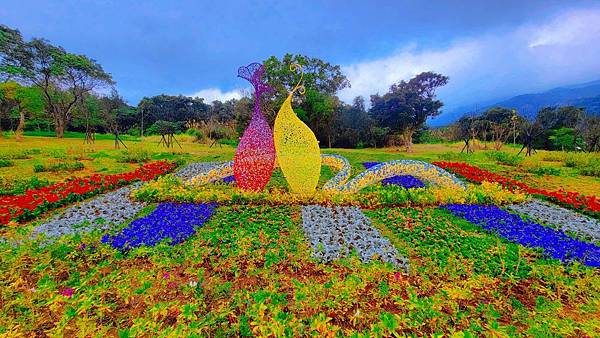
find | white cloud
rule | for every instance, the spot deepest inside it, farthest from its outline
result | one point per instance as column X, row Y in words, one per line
column 376, row 76
column 571, row 28
column 211, row 94
column 564, row 49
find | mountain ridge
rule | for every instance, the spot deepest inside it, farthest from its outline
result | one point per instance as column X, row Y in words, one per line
column 585, row 95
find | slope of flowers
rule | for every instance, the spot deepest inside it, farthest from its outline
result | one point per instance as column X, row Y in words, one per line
column 37, row 201
column 171, row 189
column 512, row 227
column 569, row 198
column 174, row 221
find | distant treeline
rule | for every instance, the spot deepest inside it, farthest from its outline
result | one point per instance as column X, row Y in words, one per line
column 44, row 87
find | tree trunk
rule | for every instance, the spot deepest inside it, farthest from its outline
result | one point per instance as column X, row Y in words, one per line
column 60, row 127
column 407, row 139
column 19, row 131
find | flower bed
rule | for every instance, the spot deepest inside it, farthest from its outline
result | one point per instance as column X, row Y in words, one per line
column 170, row 189
column 568, row 198
column 405, row 181
column 99, row 213
column 333, row 232
column 567, row 220
column 174, row 221
column 37, row 201
column 554, row 243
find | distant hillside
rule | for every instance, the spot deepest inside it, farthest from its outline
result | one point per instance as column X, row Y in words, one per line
column 585, row 95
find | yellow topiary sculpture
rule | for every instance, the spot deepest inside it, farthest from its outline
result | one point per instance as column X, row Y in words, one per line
column 296, row 146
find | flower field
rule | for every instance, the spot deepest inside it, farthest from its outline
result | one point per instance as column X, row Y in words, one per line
column 142, row 251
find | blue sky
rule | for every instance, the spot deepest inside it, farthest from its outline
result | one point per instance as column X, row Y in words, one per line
column 489, row 49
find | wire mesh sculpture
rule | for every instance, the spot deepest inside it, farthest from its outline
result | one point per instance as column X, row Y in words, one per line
column 297, row 147
column 255, row 155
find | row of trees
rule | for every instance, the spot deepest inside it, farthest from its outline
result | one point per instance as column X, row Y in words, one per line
column 43, row 86
column 553, row 128
column 47, row 86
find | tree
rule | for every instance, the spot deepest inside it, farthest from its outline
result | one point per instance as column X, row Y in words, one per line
column 589, row 129
column 498, row 121
column 22, row 101
column 466, row 126
column 322, row 80
column 407, row 105
column 319, row 111
column 531, row 130
column 173, row 109
column 113, row 110
column 63, row 77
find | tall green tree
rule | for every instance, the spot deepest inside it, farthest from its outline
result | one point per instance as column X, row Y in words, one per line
column 408, row 104
column 64, row 78
column 17, row 100
column 173, row 109
column 319, row 106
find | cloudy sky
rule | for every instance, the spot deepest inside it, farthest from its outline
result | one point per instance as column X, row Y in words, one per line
column 490, row 49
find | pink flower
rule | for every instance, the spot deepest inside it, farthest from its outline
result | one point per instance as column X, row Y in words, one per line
column 67, row 292
column 397, row 276
column 167, row 275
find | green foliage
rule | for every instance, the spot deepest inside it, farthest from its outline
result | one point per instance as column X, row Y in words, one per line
column 407, row 105
column 544, row 170
column 20, row 185
column 6, row 163
column 134, row 156
column 61, row 166
column 565, row 139
column 504, row 158
column 198, row 135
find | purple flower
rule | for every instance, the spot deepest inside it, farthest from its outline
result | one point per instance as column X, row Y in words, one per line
column 67, row 292
column 229, row 179
column 554, row 243
column 173, row 221
column 405, row 181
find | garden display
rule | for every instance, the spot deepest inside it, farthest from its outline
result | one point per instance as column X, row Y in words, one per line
column 283, row 240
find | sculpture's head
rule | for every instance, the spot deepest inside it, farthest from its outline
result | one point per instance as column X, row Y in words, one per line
column 254, row 73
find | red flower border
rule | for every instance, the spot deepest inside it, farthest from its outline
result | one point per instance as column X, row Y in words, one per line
column 568, row 198
column 36, row 201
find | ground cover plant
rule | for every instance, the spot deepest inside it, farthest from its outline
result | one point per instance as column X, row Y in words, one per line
column 570, row 198
column 162, row 258
column 36, row 201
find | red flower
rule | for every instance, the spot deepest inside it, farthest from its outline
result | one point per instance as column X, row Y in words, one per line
column 52, row 196
column 570, row 198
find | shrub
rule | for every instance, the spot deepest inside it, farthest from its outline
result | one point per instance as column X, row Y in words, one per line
column 544, row 170
column 134, row 156
column 134, row 132
column 449, row 156
column 587, row 164
column 6, row 163
column 10, row 186
column 197, row 134
column 233, row 143
column 553, row 157
column 504, row 158
column 62, row 166
column 591, row 169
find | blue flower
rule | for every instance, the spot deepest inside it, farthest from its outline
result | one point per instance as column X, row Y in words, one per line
column 174, row 221
column 405, row 181
column 229, row 179
column 555, row 243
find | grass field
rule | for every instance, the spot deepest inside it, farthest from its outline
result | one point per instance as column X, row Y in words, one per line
column 248, row 270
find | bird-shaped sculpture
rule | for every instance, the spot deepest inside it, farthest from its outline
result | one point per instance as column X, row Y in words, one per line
column 255, row 155
column 296, row 146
